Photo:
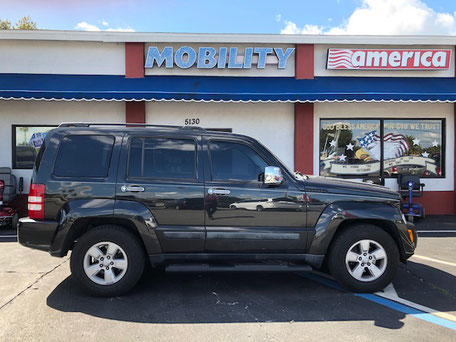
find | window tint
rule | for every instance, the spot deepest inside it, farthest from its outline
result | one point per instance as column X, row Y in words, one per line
column 232, row 161
column 40, row 156
column 162, row 158
column 84, row 156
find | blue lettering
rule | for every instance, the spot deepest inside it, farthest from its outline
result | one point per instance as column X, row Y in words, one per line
column 154, row 55
column 262, row 54
column 248, row 58
column 179, row 57
column 222, row 58
column 283, row 57
column 232, row 63
column 206, row 58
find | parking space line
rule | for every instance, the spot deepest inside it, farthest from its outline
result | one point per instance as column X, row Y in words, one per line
column 429, row 317
column 434, row 260
column 390, row 293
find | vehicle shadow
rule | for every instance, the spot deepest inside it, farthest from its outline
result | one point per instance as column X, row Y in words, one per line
column 255, row 297
column 224, row 298
column 427, row 286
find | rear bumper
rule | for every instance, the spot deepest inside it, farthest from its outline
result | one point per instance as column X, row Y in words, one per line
column 36, row 234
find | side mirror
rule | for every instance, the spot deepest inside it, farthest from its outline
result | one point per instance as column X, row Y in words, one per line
column 273, row 175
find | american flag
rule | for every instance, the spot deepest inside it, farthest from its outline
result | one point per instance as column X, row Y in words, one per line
column 395, row 145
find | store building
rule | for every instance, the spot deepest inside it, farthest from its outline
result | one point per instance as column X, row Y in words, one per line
column 344, row 106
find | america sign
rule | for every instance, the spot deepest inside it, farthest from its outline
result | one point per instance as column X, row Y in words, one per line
column 388, row 59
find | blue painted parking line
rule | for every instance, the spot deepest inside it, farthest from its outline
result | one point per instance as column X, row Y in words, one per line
column 385, row 302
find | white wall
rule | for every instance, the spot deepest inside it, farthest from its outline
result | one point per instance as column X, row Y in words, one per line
column 14, row 112
column 269, row 71
column 394, row 110
column 321, row 52
column 71, row 57
column 270, row 123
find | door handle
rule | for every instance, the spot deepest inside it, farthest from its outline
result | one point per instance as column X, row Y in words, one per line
column 212, row 191
column 132, row 188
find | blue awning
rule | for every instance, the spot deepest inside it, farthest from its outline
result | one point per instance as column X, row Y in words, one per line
column 225, row 89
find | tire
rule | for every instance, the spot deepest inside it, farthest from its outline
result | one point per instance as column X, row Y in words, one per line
column 14, row 221
column 129, row 257
column 374, row 277
column 259, row 208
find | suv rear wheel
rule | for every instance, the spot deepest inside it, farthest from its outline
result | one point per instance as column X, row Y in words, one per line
column 107, row 261
column 364, row 258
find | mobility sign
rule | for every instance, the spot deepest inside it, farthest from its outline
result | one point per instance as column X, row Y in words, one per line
column 209, row 57
column 388, row 59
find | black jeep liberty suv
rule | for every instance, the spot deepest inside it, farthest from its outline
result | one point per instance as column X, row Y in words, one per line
column 191, row 199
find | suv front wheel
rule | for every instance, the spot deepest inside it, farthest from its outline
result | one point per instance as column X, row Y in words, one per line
column 107, row 261
column 364, row 258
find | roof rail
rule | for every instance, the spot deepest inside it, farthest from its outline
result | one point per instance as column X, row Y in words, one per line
column 89, row 124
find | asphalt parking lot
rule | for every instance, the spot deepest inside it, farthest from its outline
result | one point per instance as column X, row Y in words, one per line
column 40, row 301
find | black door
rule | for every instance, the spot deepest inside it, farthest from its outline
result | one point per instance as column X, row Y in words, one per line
column 161, row 171
column 243, row 214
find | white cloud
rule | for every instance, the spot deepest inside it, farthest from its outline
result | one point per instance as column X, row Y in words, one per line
column 122, row 29
column 291, row 28
column 387, row 17
column 84, row 26
column 104, row 23
column 278, row 17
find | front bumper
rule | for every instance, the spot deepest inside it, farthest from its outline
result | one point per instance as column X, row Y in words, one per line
column 408, row 239
column 36, row 234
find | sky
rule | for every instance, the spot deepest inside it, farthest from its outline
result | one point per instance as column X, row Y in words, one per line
column 397, row 17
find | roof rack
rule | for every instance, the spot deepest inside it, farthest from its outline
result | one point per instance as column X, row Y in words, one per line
column 89, row 124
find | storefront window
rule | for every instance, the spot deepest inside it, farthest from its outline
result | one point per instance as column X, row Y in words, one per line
column 354, row 147
column 27, row 140
column 343, row 149
column 413, row 147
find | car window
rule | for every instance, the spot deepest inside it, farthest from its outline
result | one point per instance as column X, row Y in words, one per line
column 25, row 157
column 233, row 161
column 84, row 156
column 163, row 158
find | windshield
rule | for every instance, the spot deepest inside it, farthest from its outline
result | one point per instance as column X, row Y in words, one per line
column 297, row 175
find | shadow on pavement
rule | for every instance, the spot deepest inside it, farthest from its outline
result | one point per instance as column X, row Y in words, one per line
column 427, row 286
column 225, row 298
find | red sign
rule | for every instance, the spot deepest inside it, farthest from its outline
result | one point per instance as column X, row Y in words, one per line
column 389, row 59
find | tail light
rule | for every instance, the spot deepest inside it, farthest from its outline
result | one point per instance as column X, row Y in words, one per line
column 394, row 169
column 36, row 201
column 2, row 188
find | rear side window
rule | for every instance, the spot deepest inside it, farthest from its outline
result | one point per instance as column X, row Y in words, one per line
column 40, row 156
column 84, row 156
column 162, row 158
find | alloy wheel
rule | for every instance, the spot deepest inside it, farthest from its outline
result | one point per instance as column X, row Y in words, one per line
column 366, row 260
column 105, row 263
